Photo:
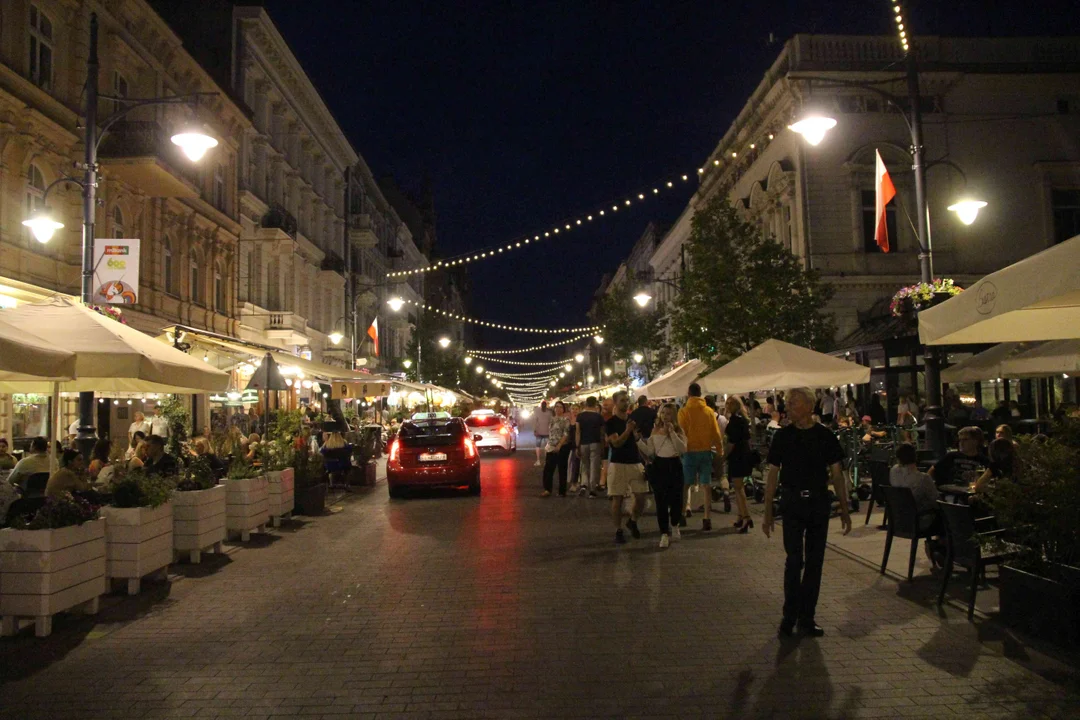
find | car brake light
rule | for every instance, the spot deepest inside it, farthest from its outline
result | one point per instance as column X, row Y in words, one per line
column 470, row 448
column 503, row 430
column 395, row 450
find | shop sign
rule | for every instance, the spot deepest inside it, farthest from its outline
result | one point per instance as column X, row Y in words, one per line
column 116, row 272
column 358, row 390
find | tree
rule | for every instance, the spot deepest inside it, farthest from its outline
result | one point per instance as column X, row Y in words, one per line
column 629, row 329
column 741, row 289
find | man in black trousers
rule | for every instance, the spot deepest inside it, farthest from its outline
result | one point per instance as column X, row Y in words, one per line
column 804, row 456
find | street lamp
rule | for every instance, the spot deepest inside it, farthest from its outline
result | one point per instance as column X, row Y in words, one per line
column 599, row 339
column 396, row 304
column 468, row 359
column 642, row 298
column 568, row 367
column 479, row 369
column 406, row 363
column 638, row 357
column 967, row 210
column 193, row 143
column 813, row 127
column 444, row 342
column 336, row 337
column 580, row 358
column 607, row 372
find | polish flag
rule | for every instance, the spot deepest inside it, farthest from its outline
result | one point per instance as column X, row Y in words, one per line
column 884, row 191
column 373, row 333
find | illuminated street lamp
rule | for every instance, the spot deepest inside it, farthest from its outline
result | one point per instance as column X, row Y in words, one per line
column 42, row 225
column 580, row 358
column 599, row 339
column 407, row 363
column 568, row 367
column 444, row 342
column 336, row 337
column 642, row 298
column 813, row 127
column 468, row 359
column 607, row 372
column 967, row 210
column 479, row 369
column 396, row 304
column 638, row 357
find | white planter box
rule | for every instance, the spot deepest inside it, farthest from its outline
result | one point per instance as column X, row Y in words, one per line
column 43, row 572
column 138, row 541
column 247, row 505
column 198, row 521
column 280, row 493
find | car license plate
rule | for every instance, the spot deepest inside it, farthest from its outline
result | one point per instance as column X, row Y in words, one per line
column 432, row 457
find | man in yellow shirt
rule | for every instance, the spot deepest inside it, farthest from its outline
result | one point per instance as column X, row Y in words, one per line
column 698, row 421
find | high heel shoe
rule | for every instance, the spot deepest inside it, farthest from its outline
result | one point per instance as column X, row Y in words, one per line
column 746, row 527
column 738, row 523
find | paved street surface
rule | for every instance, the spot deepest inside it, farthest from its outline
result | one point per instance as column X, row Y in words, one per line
column 513, row 606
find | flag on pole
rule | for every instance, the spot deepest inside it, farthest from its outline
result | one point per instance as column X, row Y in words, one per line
column 373, row 333
column 884, row 191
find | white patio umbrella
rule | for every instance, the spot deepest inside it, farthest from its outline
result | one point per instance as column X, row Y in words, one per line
column 1037, row 298
column 1048, row 359
column 674, row 382
column 987, row 365
column 25, row 356
column 110, row 356
column 779, row 365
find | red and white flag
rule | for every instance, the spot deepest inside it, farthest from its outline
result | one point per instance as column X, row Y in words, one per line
column 884, row 191
column 373, row 333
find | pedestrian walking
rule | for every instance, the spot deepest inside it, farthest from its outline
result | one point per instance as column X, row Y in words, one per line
column 557, row 452
column 740, row 463
column 699, row 424
column 590, row 434
column 625, row 473
column 541, row 429
column 573, row 460
column 665, row 446
column 804, row 456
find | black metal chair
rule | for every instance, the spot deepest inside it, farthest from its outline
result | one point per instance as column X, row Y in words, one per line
column 962, row 548
column 23, row 508
column 34, row 487
column 879, row 478
column 905, row 522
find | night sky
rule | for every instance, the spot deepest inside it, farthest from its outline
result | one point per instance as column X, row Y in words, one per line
column 527, row 113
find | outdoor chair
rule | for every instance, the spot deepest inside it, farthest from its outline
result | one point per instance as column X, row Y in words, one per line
column 35, row 485
column 962, row 548
column 23, row 508
column 879, row 478
column 906, row 522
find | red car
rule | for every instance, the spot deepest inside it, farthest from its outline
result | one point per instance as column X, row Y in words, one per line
column 433, row 450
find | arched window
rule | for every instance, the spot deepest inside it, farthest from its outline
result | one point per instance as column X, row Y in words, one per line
column 219, row 288
column 167, row 266
column 118, row 223
column 195, row 286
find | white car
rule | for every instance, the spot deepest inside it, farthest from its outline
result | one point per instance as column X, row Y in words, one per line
column 494, row 431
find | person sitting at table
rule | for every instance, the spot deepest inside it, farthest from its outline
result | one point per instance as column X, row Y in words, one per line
column 1002, row 464
column 36, row 462
column 7, row 460
column 99, row 458
column 906, row 474
column 1004, row 432
column 69, row 477
column 201, row 448
column 963, row 466
column 252, row 447
column 158, row 462
column 978, row 412
column 868, row 431
column 140, row 456
column 137, row 437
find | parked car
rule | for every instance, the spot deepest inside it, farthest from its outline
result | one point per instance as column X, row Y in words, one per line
column 495, row 431
column 433, row 451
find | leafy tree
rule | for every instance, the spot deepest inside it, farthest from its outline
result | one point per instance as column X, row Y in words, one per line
column 741, row 289
column 629, row 329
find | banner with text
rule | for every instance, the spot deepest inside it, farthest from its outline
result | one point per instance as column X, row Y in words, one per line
column 116, row 272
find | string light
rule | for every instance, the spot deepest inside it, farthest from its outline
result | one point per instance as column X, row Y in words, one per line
column 549, row 365
column 482, row 354
column 520, row 375
column 900, row 25
column 499, row 326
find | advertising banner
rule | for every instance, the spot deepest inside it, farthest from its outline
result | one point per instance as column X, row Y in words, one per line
column 116, row 272
column 358, row 390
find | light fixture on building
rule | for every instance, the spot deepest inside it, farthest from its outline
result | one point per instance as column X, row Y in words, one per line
column 42, row 225
column 967, row 210
column 395, row 303
column 642, row 298
column 813, row 127
column 336, row 337
column 194, row 143
column 444, row 342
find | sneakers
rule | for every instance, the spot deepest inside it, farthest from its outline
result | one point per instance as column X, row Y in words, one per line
column 706, row 525
column 664, row 541
column 546, row 493
column 676, row 534
column 631, row 525
column 811, row 629
column 620, row 538
column 536, row 464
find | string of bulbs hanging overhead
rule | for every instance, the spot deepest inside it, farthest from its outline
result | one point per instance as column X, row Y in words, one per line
column 499, row 326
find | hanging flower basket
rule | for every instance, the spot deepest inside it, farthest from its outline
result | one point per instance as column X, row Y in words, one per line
column 921, row 296
column 110, row 312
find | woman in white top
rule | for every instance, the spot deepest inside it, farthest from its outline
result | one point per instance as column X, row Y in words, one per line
column 665, row 447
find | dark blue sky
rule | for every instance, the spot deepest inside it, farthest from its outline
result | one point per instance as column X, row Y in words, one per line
column 525, row 113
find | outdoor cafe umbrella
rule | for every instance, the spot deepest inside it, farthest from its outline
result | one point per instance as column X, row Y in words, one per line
column 1050, row 358
column 778, row 365
column 987, row 365
column 27, row 357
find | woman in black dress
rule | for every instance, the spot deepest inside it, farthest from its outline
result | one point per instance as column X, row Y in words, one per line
column 738, row 458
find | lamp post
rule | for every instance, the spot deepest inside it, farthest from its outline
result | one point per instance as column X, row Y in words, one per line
column 193, row 143
column 813, row 129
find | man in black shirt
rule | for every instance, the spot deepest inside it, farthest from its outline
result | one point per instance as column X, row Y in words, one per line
column 963, row 466
column 804, row 455
column 625, row 474
column 644, row 416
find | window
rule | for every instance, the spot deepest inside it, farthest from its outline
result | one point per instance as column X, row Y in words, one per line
column 118, row 222
column 196, row 294
column 869, row 222
column 273, row 286
column 219, row 187
column 1066, row 207
column 41, row 53
column 219, row 288
column 120, row 89
column 167, row 266
column 35, row 193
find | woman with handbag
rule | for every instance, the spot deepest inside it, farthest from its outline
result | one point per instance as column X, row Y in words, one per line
column 665, row 446
column 739, row 458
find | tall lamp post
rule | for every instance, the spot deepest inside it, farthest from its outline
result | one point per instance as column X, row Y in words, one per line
column 194, row 143
column 813, row 128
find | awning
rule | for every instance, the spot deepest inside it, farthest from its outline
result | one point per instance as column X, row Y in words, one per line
column 987, row 365
column 674, row 382
column 1048, row 359
column 25, row 356
column 1037, row 298
column 781, row 366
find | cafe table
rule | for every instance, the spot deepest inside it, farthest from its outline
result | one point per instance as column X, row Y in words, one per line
column 956, row 493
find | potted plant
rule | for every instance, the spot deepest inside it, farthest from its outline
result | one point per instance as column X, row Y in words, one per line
column 138, row 527
column 52, row 562
column 198, row 510
column 276, row 457
column 310, row 479
column 247, row 501
column 918, row 297
column 1040, row 583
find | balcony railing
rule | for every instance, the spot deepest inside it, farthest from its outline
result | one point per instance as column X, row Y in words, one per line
column 278, row 218
column 362, row 231
column 140, row 153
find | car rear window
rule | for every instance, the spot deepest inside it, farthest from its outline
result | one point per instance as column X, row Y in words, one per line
column 431, row 432
column 483, row 420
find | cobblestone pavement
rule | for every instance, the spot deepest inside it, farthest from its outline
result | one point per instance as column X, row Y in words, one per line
column 513, row 606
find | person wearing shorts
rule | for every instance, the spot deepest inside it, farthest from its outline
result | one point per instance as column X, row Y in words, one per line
column 699, row 424
column 626, row 475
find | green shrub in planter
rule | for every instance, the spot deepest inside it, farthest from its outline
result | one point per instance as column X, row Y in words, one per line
column 241, row 469
column 135, row 489
column 198, row 475
column 58, row 512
